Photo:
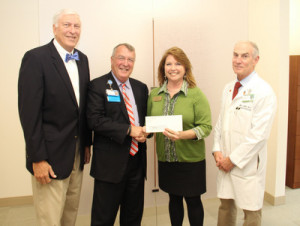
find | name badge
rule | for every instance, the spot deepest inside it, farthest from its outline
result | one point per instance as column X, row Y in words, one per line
column 248, row 98
column 113, row 95
column 112, row 92
column 157, row 98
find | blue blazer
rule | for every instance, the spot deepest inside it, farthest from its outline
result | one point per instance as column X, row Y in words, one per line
column 51, row 119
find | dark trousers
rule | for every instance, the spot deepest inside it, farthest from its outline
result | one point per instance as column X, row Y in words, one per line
column 128, row 195
column 194, row 206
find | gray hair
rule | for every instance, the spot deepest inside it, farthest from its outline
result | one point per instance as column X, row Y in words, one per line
column 255, row 51
column 128, row 46
column 62, row 12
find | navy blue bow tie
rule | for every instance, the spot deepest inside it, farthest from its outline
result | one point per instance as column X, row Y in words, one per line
column 72, row 57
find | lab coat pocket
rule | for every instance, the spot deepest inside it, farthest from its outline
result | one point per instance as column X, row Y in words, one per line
column 248, row 171
column 241, row 120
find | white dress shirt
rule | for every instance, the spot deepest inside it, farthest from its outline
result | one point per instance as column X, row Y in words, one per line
column 71, row 67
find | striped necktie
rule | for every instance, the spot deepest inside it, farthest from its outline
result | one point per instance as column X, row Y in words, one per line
column 134, row 143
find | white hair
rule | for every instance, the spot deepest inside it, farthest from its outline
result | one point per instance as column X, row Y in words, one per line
column 62, row 12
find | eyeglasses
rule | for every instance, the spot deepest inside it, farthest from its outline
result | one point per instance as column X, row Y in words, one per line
column 123, row 59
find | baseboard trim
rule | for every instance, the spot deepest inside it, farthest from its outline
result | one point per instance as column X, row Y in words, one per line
column 16, row 201
column 26, row 200
column 275, row 201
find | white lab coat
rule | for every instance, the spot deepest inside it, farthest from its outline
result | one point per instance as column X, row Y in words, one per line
column 241, row 133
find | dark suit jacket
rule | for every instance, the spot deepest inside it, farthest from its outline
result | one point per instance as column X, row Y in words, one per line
column 49, row 113
column 110, row 123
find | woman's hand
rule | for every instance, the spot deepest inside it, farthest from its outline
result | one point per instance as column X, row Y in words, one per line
column 172, row 135
column 180, row 135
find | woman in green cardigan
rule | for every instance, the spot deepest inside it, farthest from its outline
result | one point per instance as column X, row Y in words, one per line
column 181, row 154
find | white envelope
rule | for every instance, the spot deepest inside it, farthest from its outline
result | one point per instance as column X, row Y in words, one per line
column 155, row 124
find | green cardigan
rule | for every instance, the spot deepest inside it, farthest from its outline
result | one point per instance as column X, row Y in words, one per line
column 195, row 111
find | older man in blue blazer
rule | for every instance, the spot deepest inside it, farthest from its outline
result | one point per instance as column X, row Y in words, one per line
column 52, row 88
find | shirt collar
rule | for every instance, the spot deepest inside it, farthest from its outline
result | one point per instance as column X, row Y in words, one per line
column 246, row 80
column 184, row 88
column 127, row 83
column 62, row 52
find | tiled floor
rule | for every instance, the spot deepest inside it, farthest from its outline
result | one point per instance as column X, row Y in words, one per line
column 283, row 215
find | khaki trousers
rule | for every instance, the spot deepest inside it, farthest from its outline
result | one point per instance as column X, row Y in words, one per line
column 228, row 212
column 56, row 203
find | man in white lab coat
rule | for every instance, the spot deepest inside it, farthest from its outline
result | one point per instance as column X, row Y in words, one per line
column 240, row 139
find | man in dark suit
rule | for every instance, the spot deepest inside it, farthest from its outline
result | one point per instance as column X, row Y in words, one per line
column 52, row 100
column 119, row 150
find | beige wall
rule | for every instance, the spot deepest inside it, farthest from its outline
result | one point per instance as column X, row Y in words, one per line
column 19, row 22
column 269, row 27
column 206, row 30
column 294, row 27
